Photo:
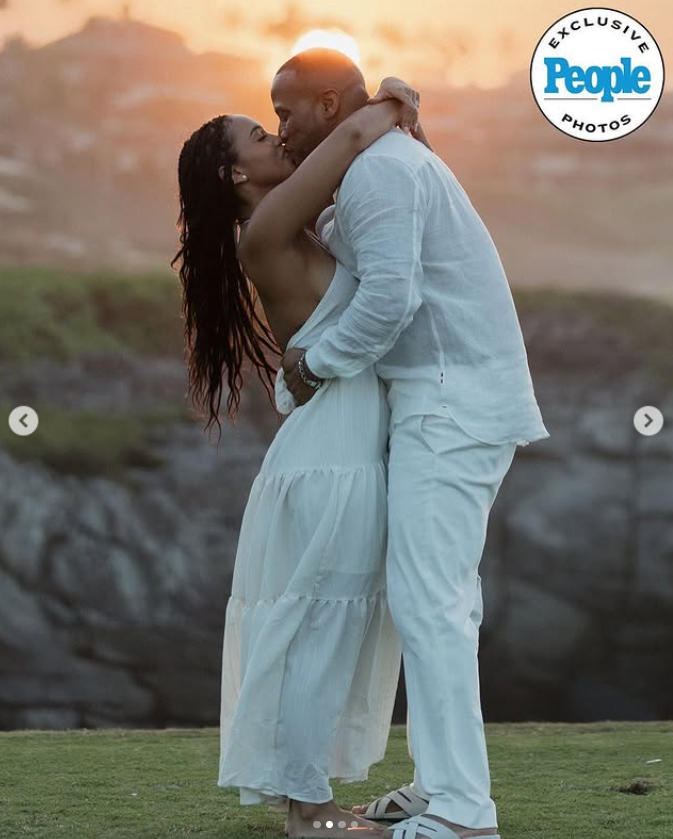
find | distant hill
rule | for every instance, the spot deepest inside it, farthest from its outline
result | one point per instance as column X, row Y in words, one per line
column 92, row 124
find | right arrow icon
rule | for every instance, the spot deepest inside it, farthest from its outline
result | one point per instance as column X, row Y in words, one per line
column 648, row 420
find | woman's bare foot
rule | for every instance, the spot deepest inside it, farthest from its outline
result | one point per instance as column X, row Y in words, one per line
column 362, row 808
column 328, row 821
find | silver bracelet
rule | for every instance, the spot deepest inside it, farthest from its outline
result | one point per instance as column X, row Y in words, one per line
column 314, row 383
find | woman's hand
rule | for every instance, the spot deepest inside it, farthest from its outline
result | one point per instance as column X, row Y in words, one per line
column 420, row 135
column 394, row 88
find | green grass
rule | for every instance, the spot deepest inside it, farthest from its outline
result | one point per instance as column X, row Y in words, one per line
column 549, row 781
column 90, row 443
column 48, row 313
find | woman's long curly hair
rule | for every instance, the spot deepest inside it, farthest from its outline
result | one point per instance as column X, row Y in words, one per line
column 218, row 300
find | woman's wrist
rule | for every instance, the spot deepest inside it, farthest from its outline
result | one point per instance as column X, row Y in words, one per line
column 387, row 85
column 353, row 129
column 373, row 121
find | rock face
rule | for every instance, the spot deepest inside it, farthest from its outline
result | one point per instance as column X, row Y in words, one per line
column 578, row 567
column 113, row 593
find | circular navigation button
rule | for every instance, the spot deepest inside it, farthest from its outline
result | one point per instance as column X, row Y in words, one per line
column 23, row 421
column 648, row 420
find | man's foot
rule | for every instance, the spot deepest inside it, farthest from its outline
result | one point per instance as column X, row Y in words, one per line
column 328, row 821
column 401, row 804
column 461, row 830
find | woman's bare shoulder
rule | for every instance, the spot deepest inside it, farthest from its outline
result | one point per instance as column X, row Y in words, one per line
column 275, row 272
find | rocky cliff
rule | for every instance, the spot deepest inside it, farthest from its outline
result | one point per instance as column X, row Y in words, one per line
column 114, row 582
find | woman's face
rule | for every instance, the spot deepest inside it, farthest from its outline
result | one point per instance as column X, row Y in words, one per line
column 261, row 155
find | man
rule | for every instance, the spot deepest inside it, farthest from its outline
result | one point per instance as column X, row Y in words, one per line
column 434, row 313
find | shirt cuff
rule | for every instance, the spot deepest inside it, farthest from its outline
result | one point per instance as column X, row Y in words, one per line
column 315, row 365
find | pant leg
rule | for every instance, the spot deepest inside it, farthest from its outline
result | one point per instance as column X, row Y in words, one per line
column 476, row 616
column 441, row 486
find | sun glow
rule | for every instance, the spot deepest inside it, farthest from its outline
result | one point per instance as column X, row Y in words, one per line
column 332, row 39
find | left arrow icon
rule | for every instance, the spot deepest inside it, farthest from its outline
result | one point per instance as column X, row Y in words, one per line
column 23, row 420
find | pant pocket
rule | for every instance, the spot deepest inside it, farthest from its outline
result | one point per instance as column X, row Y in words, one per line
column 436, row 432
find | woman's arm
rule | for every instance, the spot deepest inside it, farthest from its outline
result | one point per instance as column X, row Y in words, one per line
column 392, row 87
column 284, row 211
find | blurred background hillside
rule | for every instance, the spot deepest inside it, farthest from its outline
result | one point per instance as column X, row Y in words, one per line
column 119, row 518
column 92, row 125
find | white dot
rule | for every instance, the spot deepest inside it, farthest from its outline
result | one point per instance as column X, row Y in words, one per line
column 354, row 824
column 316, row 824
column 329, row 824
column 342, row 824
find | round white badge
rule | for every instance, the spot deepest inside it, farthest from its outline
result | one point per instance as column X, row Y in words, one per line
column 597, row 74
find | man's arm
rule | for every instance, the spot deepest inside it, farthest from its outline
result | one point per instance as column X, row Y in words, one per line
column 381, row 213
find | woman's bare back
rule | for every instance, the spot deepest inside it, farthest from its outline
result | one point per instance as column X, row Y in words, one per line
column 291, row 290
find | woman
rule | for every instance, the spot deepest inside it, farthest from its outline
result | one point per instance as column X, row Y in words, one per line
column 311, row 656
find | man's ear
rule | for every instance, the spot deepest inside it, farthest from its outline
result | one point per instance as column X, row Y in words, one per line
column 329, row 103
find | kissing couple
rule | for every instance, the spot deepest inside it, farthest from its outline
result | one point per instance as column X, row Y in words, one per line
column 405, row 390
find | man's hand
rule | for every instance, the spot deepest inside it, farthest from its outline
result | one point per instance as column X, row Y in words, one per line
column 301, row 392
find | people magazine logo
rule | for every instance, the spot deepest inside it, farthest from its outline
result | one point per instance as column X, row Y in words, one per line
column 597, row 74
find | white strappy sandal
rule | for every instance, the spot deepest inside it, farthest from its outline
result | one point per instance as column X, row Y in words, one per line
column 431, row 829
column 407, row 800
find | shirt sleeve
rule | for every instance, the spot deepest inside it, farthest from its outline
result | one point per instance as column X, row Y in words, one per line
column 380, row 216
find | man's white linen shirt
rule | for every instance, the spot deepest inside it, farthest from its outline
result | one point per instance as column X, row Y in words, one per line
column 433, row 309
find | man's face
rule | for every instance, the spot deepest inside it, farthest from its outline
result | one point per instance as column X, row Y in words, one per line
column 300, row 127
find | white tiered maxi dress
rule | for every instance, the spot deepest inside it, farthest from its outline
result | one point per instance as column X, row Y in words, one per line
column 311, row 656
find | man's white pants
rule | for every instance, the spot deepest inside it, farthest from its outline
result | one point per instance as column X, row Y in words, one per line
column 441, row 486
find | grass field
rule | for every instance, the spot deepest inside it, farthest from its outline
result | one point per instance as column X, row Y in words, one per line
column 549, row 781
column 87, row 443
column 51, row 313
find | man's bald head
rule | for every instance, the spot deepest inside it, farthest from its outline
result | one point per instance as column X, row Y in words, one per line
column 312, row 93
column 317, row 69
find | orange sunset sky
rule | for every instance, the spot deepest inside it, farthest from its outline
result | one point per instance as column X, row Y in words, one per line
column 473, row 42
